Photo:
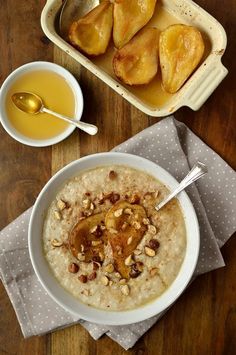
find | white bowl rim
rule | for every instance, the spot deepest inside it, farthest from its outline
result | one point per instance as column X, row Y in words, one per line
column 138, row 314
column 40, row 65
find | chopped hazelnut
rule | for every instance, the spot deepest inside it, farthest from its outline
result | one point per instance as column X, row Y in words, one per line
column 146, row 221
column 101, row 256
column 125, row 290
column 57, row 215
column 73, row 268
column 104, row 280
column 152, row 229
column 86, row 203
column 149, row 251
column 109, row 268
column 86, row 292
column 61, row 205
column 56, row 243
column 129, row 260
column 88, row 213
column 80, row 257
column 118, row 212
column 128, row 211
column 122, row 282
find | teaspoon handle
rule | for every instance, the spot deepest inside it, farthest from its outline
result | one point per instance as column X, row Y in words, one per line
column 198, row 170
column 86, row 127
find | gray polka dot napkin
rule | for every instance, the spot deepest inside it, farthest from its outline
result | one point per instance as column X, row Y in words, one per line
column 173, row 146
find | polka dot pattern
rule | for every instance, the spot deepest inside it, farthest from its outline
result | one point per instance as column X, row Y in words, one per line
column 173, row 146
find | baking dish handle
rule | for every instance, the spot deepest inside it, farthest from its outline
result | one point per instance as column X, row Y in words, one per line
column 212, row 74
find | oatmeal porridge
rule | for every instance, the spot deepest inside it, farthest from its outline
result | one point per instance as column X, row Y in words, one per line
column 105, row 242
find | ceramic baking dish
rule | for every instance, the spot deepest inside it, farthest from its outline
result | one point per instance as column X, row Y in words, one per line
column 198, row 87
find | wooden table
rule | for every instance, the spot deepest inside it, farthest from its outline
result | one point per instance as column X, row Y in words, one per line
column 203, row 321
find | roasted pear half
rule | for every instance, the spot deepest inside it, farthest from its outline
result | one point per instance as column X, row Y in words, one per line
column 125, row 229
column 181, row 48
column 137, row 62
column 129, row 17
column 88, row 238
column 92, row 33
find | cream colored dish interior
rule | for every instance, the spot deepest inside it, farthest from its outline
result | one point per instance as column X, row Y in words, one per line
column 198, row 87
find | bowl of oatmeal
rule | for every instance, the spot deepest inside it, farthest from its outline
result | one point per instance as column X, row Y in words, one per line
column 99, row 247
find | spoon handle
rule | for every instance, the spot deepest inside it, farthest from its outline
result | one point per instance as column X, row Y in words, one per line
column 198, row 170
column 86, row 127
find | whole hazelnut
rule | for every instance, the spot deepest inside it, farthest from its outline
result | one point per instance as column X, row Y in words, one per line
column 73, row 268
column 83, row 279
column 154, row 244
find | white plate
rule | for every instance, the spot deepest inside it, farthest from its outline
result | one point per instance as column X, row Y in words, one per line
column 64, row 298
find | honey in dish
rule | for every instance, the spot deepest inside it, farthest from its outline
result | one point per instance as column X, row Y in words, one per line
column 151, row 94
column 56, row 94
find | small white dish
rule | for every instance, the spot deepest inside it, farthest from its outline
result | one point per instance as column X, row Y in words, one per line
column 36, row 66
column 63, row 297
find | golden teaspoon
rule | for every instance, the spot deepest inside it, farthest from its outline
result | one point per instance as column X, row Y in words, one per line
column 32, row 103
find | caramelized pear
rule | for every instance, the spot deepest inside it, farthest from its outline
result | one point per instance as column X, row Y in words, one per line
column 181, row 49
column 87, row 238
column 137, row 62
column 92, row 33
column 124, row 222
column 129, row 17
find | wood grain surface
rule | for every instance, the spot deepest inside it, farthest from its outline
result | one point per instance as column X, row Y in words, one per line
column 203, row 320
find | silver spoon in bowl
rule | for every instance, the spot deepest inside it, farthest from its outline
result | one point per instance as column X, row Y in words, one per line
column 198, row 170
column 71, row 11
column 32, row 103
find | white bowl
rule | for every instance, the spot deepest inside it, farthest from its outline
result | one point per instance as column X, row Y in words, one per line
column 63, row 297
column 36, row 66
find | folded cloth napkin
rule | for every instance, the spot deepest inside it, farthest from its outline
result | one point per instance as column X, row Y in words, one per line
column 173, row 146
